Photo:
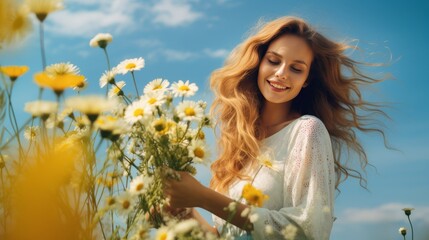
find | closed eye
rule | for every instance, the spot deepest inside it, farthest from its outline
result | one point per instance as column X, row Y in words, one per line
column 273, row 62
column 296, row 70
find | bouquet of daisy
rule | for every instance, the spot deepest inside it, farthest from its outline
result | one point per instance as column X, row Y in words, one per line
column 123, row 145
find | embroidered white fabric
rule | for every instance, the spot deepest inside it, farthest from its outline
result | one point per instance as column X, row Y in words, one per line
column 300, row 184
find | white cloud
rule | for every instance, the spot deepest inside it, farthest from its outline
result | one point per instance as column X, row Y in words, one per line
column 85, row 19
column 390, row 212
column 218, row 53
column 176, row 55
column 173, row 13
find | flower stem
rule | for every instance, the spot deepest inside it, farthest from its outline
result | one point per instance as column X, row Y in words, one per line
column 107, row 58
column 10, row 139
column 13, row 121
column 42, row 45
column 412, row 230
column 135, row 84
column 108, row 66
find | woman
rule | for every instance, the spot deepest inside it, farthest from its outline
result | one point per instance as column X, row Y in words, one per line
column 282, row 94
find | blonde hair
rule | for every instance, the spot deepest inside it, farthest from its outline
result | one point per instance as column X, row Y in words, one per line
column 331, row 96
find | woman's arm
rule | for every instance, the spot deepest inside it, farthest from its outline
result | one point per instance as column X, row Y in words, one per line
column 188, row 192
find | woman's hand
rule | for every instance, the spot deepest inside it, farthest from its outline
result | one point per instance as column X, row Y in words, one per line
column 184, row 193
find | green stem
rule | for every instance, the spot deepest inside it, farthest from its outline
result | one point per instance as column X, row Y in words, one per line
column 42, row 45
column 251, row 183
column 108, row 67
column 412, row 230
column 13, row 116
column 135, row 84
column 107, row 58
column 19, row 130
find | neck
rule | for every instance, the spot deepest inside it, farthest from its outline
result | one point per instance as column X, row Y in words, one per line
column 274, row 114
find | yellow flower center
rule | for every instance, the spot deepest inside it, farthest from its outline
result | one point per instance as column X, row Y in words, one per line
column 139, row 187
column 201, row 135
column 130, row 66
column 138, row 112
column 198, row 152
column 126, row 204
column 184, row 88
column 33, row 134
column 189, row 111
column 157, row 87
column 111, row 201
column 267, row 163
column 160, row 125
column 152, row 101
column 116, row 90
column 163, row 236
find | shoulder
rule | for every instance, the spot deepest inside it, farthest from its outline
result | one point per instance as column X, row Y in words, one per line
column 310, row 126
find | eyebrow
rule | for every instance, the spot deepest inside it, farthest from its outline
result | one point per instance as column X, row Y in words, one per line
column 278, row 55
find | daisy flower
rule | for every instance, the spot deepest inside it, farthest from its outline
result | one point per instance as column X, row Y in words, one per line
column 161, row 126
column 31, row 133
column 91, row 105
column 289, row 232
column 185, row 226
column 153, row 99
column 198, row 151
column 142, row 232
column 163, row 233
column 184, row 89
column 189, row 111
column 110, row 202
column 101, row 40
column 63, row 68
column 137, row 111
column 111, row 127
column 125, row 203
column 116, row 90
column 81, row 123
column 402, row 231
column 15, row 21
column 108, row 77
column 253, row 217
column 139, row 185
column 43, row 8
column 13, row 72
column 265, row 160
column 130, row 65
column 41, row 108
column 157, row 84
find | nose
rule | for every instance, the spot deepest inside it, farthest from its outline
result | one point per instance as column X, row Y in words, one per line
column 281, row 73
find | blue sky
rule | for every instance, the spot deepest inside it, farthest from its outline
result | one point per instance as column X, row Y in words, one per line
column 187, row 40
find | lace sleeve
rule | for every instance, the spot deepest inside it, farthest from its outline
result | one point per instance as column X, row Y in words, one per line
column 309, row 185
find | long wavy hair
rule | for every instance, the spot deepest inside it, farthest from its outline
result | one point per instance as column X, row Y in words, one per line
column 331, row 95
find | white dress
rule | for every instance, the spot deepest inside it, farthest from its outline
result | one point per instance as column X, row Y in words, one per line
column 300, row 185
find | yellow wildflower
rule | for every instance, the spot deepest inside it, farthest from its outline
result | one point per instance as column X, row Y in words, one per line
column 253, row 195
column 13, row 72
column 58, row 83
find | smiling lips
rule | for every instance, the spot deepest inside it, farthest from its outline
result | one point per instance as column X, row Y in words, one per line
column 277, row 86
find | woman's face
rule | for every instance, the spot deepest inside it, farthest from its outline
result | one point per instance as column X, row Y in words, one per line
column 284, row 69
